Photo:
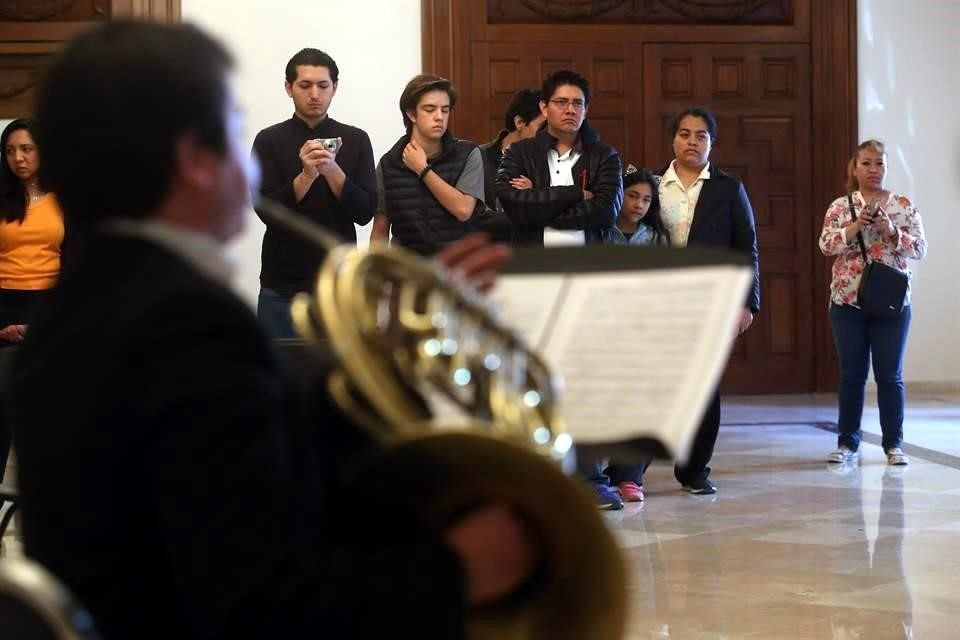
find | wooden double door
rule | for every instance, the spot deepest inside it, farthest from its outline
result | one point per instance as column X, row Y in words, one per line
column 758, row 79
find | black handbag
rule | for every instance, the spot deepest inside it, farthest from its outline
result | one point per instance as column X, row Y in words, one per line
column 883, row 289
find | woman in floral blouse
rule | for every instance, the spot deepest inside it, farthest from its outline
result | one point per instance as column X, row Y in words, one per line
column 892, row 232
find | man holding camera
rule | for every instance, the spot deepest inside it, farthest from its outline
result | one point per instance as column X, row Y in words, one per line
column 317, row 166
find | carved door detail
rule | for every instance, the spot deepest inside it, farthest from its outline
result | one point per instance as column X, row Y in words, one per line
column 500, row 69
column 33, row 31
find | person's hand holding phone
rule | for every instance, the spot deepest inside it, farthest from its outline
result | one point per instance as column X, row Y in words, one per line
column 868, row 213
column 881, row 222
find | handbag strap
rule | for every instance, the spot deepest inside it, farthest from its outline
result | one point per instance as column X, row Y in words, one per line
column 853, row 214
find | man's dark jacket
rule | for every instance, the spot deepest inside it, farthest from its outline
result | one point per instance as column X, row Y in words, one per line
column 169, row 479
column 491, row 162
column 597, row 170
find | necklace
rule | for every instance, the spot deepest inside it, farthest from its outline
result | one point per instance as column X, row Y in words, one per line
column 34, row 192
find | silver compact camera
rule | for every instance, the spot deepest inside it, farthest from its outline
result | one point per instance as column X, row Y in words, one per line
column 330, row 144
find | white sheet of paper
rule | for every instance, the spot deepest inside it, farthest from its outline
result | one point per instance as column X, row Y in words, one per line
column 639, row 351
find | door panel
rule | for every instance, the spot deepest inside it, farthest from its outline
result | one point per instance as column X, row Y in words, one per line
column 785, row 91
column 499, row 69
column 761, row 96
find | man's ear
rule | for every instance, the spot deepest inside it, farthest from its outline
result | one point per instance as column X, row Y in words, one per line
column 543, row 108
column 412, row 116
column 196, row 165
column 289, row 88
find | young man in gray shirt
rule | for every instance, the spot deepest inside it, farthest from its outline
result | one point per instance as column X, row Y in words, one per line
column 430, row 183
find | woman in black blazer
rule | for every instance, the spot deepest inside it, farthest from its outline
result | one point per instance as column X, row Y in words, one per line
column 703, row 206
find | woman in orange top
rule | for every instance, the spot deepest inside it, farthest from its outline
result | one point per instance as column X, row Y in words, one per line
column 31, row 234
column 31, row 231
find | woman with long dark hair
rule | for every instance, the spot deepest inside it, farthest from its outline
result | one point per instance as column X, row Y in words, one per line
column 639, row 221
column 31, row 234
column 31, row 231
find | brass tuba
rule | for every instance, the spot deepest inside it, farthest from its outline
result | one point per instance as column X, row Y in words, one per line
column 403, row 333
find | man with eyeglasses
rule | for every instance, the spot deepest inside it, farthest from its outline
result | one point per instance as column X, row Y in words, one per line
column 563, row 181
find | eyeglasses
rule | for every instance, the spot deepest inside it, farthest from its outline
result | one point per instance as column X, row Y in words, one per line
column 563, row 103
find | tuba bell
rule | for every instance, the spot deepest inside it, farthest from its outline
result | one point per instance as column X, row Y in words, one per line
column 466, row 414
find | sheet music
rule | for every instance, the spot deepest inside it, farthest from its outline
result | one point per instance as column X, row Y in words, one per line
column 528, row 304
column 639, row 350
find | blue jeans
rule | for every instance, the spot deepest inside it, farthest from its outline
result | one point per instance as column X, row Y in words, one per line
column 273, row 312
column 859, row 337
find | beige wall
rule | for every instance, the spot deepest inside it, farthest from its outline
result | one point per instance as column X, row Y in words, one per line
column 376, row 44
column 909, row 98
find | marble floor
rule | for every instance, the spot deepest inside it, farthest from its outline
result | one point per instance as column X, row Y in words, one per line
column 794, row 548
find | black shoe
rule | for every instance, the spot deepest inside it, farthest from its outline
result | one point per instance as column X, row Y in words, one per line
column 700, row 487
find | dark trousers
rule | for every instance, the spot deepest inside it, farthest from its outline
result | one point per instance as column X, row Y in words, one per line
column 6, row 439
column 597, row 471
column 6, row 429
column 273, row 313
column 858, row 337
column 16, row 305
column 15, row 308
column 702, row 450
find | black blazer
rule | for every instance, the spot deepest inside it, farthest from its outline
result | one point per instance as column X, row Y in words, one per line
column 724, row 218
column 168, row 477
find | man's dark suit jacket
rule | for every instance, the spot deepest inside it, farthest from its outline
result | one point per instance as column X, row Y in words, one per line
column 168, row 479
column 724, row 218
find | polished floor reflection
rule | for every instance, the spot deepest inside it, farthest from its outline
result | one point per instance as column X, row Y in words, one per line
column 792, row 547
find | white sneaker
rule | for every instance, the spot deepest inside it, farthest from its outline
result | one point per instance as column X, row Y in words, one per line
column 897, row 457
column 841, row 455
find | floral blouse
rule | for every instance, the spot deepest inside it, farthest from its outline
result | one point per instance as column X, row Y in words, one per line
column 909, row 242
